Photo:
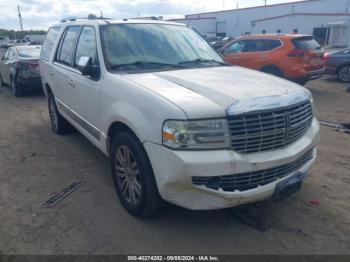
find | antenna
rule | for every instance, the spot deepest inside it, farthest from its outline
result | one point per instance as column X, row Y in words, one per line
column 20, row 17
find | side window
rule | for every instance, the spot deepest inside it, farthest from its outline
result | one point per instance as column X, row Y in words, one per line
column 251, row 46
column 236, row 47
column 272, row 44
column 86, row 46
column 67, row 46
column 50, row 40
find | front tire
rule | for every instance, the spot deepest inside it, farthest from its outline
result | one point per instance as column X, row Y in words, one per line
column 133, row 176
column 59, row 125
column 16, row 88
column 343, row 74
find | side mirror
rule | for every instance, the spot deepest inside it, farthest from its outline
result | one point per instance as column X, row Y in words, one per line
column 3, row 58
column 87, row 68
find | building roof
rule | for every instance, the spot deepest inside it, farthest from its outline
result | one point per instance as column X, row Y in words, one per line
column 299, row 14
column 253, row 7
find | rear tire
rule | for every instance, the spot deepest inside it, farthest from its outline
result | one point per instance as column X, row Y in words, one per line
column 16, row 88
column 59, row 125
column 343, row 74
column 133, row 176
column 272, row 71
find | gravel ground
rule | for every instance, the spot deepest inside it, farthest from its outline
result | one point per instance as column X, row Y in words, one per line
column 35, row 163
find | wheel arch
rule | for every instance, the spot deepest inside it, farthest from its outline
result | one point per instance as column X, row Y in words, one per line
column 342, row 65
column 116, row 128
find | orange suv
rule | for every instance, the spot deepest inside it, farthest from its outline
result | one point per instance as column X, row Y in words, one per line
column 298, row 58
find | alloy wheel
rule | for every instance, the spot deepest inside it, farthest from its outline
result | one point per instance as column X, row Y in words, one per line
column 128, row 175
column 344, row 74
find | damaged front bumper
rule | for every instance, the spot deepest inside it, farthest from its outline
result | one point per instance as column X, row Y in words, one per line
column 174, row 172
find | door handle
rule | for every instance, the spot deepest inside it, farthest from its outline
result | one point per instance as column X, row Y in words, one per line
column 71, row 83
column 51, row 72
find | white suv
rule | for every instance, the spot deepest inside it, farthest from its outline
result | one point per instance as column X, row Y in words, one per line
column 177, row 122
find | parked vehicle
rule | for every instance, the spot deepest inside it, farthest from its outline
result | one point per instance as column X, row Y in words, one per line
column 294, row 57
column 19, row 68
column 8, row 44
column 218, row 42
column 177, row 122
column 338, row 64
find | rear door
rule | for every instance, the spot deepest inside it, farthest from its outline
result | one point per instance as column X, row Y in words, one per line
column 63, row 64
column 255, row 54
column 313, row 58
column 47, row 52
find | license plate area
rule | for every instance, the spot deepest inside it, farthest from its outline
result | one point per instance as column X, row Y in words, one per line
column 289, row 187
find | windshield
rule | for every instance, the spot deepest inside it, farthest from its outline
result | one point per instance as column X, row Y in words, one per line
column 29, row 52
column 158, row 45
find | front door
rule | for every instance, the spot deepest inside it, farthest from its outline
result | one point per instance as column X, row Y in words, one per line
column 85, row 89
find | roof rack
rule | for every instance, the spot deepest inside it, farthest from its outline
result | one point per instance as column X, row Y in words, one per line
column 90, row 17
column 69, row 18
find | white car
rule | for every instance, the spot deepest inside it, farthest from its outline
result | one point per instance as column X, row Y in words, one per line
column 177, row 122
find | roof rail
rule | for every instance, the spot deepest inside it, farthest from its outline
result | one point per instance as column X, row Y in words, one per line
column 90, row 17
column 69, row 18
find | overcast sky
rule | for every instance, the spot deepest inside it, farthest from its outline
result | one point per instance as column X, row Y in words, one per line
column 40, row 14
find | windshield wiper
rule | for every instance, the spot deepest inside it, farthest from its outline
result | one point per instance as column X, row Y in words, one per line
column 145, row 63
column 203, row 61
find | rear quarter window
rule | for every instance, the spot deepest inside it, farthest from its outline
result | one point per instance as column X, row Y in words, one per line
column 50, row 40
column 306, row 43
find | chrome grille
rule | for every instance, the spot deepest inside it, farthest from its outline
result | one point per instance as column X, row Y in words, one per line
column 247, row 181
column 271, row 129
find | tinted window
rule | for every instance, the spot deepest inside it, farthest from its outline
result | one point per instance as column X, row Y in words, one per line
column 49, row 42
column 236, row 47
column 272, row 44
column 251, row 46
column 67, row 46
column 87, row 45
column 306, row 43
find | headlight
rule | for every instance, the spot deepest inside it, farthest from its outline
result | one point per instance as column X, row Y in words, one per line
column 196, row 135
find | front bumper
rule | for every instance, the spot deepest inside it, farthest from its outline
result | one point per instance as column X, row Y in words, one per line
column 174, row 170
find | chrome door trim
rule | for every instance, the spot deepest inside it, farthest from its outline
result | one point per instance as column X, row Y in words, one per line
column 92, row 130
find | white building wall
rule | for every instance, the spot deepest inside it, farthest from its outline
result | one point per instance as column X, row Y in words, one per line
column 304, row 23
column 240, row 21
column 203, row 26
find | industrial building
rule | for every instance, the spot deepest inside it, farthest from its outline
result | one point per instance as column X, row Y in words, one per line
column 327, row 20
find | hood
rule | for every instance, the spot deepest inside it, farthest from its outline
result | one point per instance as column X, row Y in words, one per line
column 214, row 89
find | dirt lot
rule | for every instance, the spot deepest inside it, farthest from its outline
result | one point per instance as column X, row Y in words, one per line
column 34, row 163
